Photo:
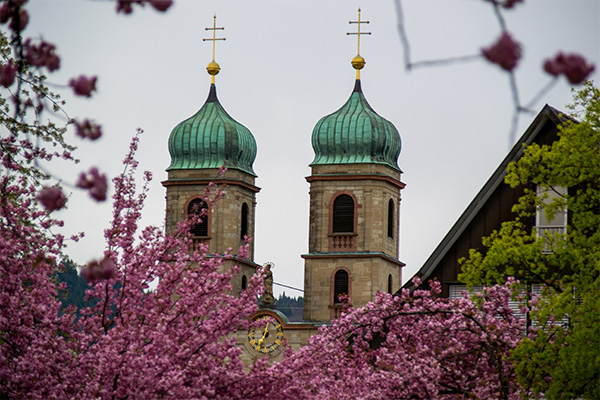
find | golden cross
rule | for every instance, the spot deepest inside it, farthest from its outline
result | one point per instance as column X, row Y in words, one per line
column 358, row 33
column 214, row 38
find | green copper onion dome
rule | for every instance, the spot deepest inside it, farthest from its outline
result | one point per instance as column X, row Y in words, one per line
column 210, row 139
column 356, row 134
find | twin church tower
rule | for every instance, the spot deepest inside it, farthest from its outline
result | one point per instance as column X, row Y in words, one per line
column 354, row 195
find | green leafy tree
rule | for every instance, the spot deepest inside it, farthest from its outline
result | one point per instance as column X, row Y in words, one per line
column 290, row 306
column 74, row 292
column 561, row 356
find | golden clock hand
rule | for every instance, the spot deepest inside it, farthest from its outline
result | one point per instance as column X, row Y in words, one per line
column 260, row 341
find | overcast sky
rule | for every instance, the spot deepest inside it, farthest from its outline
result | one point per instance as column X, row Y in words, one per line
column 284, row 65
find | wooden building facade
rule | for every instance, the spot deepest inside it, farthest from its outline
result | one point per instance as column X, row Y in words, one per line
column 492, row 206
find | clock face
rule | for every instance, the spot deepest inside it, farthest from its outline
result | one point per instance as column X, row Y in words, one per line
column 266, row 334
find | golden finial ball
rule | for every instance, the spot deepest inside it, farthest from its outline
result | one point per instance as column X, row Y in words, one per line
column 213, row 68
column 358, row 62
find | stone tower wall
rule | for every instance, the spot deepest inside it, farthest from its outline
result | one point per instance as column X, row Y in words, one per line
column 225, row 218
column 370, row 256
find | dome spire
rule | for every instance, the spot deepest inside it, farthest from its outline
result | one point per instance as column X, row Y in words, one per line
column 358, row 62
column 213, row 68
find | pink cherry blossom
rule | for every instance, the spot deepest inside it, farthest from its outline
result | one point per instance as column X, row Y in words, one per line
column 125, row 6
column 83, row 86
column 99, row 270
column 19, row 24
column 95, row 182
column 176, row 340
column 573, row 66
column 41, row 55
column 88, row 129
column 8, row 73
column 409, row 346
column 52, row 198
column 161, row 5
column 5, row 12
column 506, row 52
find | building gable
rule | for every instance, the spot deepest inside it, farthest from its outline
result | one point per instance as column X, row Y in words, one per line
column 490, row 207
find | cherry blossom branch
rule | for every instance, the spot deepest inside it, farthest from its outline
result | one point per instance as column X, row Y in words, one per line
column 506, row 53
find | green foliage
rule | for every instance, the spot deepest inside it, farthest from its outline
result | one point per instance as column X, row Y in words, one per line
column 74, row 293
column 30, row 137
column 562, row 362
column 290, row 306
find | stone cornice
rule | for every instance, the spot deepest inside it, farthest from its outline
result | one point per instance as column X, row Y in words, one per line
column 206, row 181
column 355, row 177
column 353, row 254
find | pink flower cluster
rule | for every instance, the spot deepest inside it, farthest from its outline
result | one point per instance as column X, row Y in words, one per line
column 41, row 55
column 11, row 11
column 99, row 270
column 126, row 6
column 52, row 198
column 88, row 129
column 8, row 73
column 573, row 66
column 83, row 86
column 176, row 341
column 506, row 52
column 413, row 346
column 94, row 182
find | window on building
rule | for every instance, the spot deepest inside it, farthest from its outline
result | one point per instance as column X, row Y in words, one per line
column 456, row 291
column 244, row 221
column 340, row 285
column 195, row 207
column 343, row 214
column 390, row 284
column 390, row 223
column 244, row 282
column 557, row 225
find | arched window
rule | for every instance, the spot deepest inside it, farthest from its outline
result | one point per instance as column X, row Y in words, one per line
column 390, row 284
column 244, row 282
column 340, row 285
column 391, row 223
column 195, row 207
column 343, row 214
column 244, row 221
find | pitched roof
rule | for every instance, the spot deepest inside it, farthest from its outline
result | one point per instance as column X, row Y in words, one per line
column 547, row 114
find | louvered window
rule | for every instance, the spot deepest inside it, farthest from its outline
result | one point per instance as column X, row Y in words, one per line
column 391, row 224
column 457, row 290
column 340, row 285
column 539, row 290
column 195, row 207
column 343, row 214
column 550, row 229
column 244, row 221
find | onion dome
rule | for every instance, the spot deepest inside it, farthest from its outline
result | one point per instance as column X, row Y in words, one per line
column 211, row 139
column 356, row 134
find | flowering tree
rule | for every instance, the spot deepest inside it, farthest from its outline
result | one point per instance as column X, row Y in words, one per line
column 561, row 361
column 162, row 318
column 162, row 321
column 412, row 346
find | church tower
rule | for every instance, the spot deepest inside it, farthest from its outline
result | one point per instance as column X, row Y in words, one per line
column 354, row 206
column 200, row 147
